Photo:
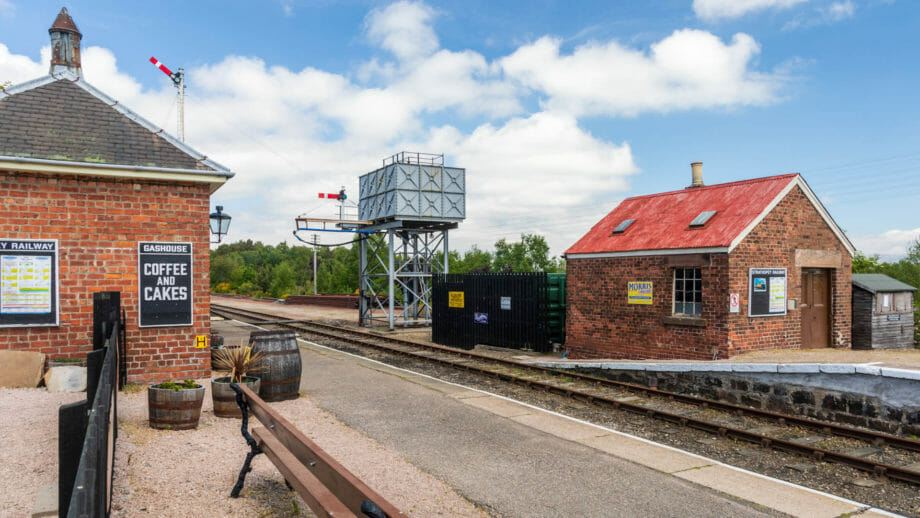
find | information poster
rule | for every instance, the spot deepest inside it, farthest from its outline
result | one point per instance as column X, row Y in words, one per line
column 639, row 292
column 767, row 292
column 28, row 282
column 165, row 278
column 455, row 299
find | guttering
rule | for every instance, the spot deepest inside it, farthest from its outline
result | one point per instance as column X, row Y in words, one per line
column 641, row 253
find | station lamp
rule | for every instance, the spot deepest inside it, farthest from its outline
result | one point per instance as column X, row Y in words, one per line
column 220, row 223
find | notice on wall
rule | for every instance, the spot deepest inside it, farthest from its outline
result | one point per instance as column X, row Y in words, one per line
column 639, row 292
column 28, row 282
column 165, row 283
column 767, row 292
column 734, row 303
column 480, row 318
column 455, row 299
column 506, row 303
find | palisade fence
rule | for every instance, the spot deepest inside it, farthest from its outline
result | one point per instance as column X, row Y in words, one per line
column 88, row 429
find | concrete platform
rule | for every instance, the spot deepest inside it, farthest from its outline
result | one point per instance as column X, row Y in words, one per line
column 517, row 460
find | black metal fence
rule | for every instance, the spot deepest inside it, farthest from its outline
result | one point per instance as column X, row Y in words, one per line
column 505, row 310
column 88, row 429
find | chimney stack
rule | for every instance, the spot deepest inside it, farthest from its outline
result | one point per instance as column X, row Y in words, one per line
column 696, row 170
column 65, row 44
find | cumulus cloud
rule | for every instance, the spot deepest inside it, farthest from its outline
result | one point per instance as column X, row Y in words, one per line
column 715, row 10
column 891, row 245
column 289, row 134
column 688, row 69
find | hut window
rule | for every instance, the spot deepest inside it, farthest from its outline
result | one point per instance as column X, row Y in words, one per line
column 688, row 292
column 623, row 226
column 701, row 220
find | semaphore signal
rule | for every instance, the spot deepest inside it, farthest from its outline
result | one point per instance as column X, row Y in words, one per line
column 178, row 79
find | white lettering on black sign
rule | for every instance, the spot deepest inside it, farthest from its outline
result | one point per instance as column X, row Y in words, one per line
column 165, row 277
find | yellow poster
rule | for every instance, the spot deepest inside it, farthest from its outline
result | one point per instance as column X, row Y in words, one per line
column 455, row 299
column 639, row 292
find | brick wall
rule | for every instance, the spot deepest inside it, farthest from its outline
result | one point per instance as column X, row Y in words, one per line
column 600, row 323
column 98, row 223
column 792, row 224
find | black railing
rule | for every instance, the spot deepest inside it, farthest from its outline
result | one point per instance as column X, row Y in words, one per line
column 88, row 429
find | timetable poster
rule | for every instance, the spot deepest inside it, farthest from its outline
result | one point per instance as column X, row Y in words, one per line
column 28, row 282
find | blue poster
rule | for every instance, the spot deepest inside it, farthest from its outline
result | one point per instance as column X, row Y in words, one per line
column 480, row 318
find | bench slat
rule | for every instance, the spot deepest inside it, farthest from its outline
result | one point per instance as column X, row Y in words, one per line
column 319, row 498
column 342, row 483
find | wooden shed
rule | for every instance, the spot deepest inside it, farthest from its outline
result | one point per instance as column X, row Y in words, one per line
column 883, row 312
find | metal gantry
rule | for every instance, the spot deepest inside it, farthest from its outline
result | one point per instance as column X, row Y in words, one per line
column 396, row 266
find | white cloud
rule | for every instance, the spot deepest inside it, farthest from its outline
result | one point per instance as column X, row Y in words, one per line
column 688, row 69
column 824, row 15
column 7, row 9
column 289, row 134
column 891, row 245
column 715, row 10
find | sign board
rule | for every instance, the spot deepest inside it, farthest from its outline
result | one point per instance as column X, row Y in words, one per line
column 201, row 341
column 28, row 282
column 767, row 292
column 734, row 303
column 506, row 303
column 893, row 318
column 164, row 272
column 455, row 299
column 480, row 318
column 639, row 292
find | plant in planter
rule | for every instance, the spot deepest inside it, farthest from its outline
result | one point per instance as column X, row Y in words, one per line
column 175, row 405
column 238, row 363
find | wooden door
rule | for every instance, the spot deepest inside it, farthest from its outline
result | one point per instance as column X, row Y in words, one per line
column 815, row 308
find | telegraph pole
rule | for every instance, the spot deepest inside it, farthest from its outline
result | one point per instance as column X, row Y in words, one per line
column 315, row 242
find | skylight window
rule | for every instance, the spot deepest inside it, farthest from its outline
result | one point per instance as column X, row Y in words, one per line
column 702, row 218
column 623, row 226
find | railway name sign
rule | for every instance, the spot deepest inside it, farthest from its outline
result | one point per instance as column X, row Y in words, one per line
column 164, row 273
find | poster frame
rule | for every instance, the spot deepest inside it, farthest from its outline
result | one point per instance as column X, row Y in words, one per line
column 56, row 286
column 750, row 287
column 191, row 285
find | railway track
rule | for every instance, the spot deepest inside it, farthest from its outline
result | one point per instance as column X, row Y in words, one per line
column 880, row 454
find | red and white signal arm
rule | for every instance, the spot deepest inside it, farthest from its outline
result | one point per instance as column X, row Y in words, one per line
column 329, row 195
column 734, row 303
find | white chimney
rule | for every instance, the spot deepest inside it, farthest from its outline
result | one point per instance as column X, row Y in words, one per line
column 696, row 170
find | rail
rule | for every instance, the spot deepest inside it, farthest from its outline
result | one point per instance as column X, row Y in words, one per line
column 87, row 430
column 327, row 487
column 414, row 157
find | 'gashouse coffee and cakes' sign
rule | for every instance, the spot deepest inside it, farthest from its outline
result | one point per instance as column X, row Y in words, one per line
column 165, row 276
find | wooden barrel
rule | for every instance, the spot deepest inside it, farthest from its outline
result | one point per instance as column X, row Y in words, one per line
column 225, row 398
column 281, row 366
column 174, row 409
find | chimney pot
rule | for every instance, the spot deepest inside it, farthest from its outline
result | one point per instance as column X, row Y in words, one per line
column 696, row 170
column 65, row 44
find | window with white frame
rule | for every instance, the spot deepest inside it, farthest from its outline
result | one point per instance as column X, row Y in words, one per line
column 688, row 292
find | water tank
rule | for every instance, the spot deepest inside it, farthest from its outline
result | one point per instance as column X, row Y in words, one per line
column 413, row 187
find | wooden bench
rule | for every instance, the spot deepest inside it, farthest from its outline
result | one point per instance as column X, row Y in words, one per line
column 325, row 485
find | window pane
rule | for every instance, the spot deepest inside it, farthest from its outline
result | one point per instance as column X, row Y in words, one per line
column 697, row 309
column 698, row 296
column 678, row 307
column 698, row 285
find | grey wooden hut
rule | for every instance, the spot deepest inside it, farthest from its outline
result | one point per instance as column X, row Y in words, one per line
column 883, row 312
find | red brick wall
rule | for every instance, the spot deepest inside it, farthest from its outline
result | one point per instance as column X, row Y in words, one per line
column 600, row 324
column 792, row 224
column 98, row 223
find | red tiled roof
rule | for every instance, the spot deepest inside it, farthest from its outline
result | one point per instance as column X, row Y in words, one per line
column 663, row 220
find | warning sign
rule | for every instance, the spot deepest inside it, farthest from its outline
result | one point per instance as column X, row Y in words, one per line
column 734, row 303
column 455, row 299
column 201, row 341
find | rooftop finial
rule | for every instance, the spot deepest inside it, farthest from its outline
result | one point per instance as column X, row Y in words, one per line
column 65, row 44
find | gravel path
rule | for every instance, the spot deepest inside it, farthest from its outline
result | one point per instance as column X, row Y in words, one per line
column 178, row 473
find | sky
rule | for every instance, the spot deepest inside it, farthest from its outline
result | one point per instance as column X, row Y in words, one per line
column 558, row 110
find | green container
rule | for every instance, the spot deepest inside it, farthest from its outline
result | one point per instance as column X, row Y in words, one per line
column 555, row 307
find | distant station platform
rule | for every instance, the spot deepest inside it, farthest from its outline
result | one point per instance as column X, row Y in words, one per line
column 514, row 459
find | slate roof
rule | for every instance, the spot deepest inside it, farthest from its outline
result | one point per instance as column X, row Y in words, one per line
column 876, row 282
column 662, row 221
column 65, row 119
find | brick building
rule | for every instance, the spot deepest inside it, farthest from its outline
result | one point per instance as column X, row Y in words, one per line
column 710, row 272
column 83, row 182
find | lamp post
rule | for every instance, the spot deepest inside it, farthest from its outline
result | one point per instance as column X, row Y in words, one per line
column 220, row 223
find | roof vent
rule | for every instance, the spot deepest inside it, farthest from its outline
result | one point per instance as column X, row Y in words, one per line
column 701, row 220
column 696, row 170
column 623, row 226
column 65, row 44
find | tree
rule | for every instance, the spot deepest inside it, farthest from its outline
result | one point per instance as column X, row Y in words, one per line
column 530, row 254
column 282, row 280
column 865, row 264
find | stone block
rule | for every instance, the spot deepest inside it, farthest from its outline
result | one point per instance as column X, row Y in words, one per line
column 711, row 367
column 798, row 368
column 669, row 367
column 838, row 368
column 870, row 370
column 901, row 373
column 21, row 369
column 754, row 367
column 46, row 501
column 66, row 379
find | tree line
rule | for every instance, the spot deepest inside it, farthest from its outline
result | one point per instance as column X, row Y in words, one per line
column 259, row 270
